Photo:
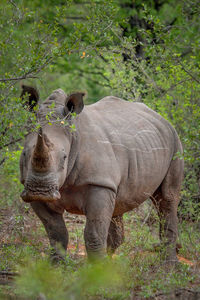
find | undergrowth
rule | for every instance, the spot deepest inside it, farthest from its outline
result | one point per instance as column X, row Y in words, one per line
column 136, row 269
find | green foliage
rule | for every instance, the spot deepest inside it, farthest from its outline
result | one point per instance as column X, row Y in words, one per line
column 35, row 36
column 163, row 73
column 39, row 34
column 41, row 278
column 137, row 269
column 141, row 51
column 10, row 187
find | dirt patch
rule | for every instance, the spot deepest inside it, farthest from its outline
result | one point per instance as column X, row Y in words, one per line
column 180, row 294
column 25, row 228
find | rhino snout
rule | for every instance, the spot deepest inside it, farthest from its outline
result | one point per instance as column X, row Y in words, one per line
column 29, row 196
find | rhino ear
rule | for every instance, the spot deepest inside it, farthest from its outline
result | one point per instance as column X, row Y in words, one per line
column 32, row 96
column 74, row 103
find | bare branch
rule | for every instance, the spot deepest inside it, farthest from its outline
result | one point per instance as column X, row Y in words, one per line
column 75, row 18
column 17, row 78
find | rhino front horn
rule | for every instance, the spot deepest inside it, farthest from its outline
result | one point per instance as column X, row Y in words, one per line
column 41, row 157
column 41, row 148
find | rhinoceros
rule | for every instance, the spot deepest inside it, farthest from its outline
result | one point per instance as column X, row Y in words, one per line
column 120, row 154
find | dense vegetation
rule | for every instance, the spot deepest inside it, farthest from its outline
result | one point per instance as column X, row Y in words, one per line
column 144, row 51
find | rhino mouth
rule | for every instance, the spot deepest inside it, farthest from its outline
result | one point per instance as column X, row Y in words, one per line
column 30, row 196
column 40, row 188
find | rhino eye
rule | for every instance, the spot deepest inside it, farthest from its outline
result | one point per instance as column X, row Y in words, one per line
column 65, row 156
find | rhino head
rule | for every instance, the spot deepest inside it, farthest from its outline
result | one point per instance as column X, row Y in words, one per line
column 45, row 159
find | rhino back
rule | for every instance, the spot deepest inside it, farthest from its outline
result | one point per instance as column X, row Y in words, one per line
column 124, row 146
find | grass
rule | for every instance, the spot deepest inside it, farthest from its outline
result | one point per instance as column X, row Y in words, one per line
column 135, row 271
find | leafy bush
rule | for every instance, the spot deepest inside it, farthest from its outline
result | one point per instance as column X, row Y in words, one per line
column 41, row 278
column 10, row 187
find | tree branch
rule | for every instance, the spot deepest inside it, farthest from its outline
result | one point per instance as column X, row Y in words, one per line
column 93, row 80
column 94, row 73
column 75, row 18
column 28, row 74
column 17, row 78
column 173, row 86
column 2, row 161
column 101, row 56
column 188, row 72
column 10, row 143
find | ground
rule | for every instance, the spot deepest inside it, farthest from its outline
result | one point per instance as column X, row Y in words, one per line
column 140, row 274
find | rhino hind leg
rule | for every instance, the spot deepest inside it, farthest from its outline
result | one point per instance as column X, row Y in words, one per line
column 115, row 234
column 55, row 227
column 166, row 200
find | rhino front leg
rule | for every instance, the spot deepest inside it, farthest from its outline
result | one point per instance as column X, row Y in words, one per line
column 115, row 234
column 99, row 210
column 55, row 228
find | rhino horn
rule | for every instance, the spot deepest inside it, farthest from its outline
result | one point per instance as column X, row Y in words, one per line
column 41, row 155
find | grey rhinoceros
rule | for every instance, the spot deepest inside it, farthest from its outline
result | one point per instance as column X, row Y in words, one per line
column 121, row 154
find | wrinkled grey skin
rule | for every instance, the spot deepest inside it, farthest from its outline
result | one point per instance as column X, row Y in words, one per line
column 120, row 155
